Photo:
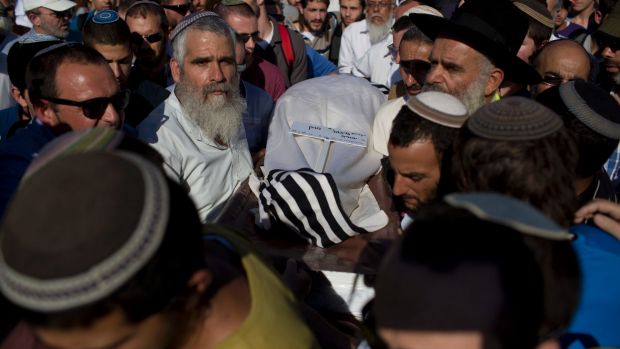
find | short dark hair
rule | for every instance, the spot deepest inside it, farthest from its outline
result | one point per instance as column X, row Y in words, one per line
column 115, row 33
column 147, row 9
column 534, row 171
column 41, row 72
column 161, row 285
column 304, row 3
column 594, row 149
column 415, row 34
column 539, row 33
column 409, row 127
column 243, row 10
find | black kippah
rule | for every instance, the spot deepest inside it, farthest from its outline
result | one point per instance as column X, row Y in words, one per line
column 514, row 119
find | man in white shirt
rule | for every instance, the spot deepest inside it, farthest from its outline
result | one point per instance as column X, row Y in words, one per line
column 359, row 36
column 199, row 129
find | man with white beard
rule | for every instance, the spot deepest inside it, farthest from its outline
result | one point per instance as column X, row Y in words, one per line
column 359, row 36
column 198, row 129
column 475, row 50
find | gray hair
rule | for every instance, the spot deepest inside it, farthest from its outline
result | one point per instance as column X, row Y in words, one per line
column 212, row 24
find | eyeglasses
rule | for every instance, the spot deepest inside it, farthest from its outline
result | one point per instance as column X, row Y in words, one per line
column 415, row 67
column 379, row 5
column 246, row 37
column 181, row 9
column 603, row 42
column 95, row 108
column 151, row 39
column 554, row 80
column 58, row 14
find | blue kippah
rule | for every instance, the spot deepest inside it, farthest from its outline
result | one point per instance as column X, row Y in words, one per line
column 105, row 17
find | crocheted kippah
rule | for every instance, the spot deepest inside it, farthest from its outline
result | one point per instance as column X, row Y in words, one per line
column 514, row 119
column 105, row 17
column 536, row 10
column 100, row 217
column 440, row 108
column 593, row 106
column 189, row 20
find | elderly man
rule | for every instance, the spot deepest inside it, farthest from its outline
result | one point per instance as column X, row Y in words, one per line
column 476, row 50
column 49, row 17
column 86, row 96
column 199, row 129
column 149, row 33
column 561, row 61
column 422, row 133
column 358, row 37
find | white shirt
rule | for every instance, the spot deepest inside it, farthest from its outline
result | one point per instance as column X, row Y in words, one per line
column 211, row 172
column 354, row 43
column 382, row 125
column 377, row 65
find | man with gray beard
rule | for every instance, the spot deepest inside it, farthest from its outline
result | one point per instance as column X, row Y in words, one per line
column 358, row 37
column 476, row 50
column 198, row 129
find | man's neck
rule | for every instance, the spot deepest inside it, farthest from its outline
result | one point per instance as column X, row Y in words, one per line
column 583, row 18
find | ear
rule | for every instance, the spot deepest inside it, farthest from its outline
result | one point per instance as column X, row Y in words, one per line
column 495, row 80
column 46, row 114
column 34, row 19
column 18, row 97
column 175, row 70
column 200, row 281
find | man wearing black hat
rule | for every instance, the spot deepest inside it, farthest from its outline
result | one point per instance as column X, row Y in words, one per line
column 476, row 50
column 593, row 116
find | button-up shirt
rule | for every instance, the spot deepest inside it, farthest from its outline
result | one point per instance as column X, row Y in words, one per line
column 210, row 171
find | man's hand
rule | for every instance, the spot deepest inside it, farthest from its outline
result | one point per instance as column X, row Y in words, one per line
column 605, row 214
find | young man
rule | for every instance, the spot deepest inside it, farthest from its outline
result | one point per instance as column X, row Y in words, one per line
column 350, row 11
column 110, row 36
column 134, row 281
column 316, row 25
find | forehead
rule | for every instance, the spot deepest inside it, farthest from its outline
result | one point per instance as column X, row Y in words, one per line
column 144, row 24
column 207, row 44
column 568, row 61
column 350, row 3
column 409, row 50
column 113, row 52
column 79, row 81
column 419, row 156
column 316, row 5
column 454, row 51
column 237, row 21
column 175, row 2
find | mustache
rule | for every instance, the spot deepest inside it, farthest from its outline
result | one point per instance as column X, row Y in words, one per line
column 218, row 86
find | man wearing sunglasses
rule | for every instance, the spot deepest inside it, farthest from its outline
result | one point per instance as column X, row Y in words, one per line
column 561, row 61
column 414, row 53
column 71, row 87
column 175, row 10
column 49, row 17
column 149, row 33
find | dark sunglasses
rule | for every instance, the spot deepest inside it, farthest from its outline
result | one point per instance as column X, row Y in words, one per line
column 151, row 39
column 95, row 108
column 603, row 42
column 416, row 67
column 180, row 9
column 554, row 80
column 246, row 37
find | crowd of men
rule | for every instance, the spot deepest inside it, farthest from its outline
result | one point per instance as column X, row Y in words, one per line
column 162, row 163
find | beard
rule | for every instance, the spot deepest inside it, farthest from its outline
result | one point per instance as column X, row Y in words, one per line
column 218, row 117
column 378, row 32
column 472, row 97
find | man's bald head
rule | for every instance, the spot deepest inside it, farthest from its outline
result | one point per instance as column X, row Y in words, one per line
column 561, row 61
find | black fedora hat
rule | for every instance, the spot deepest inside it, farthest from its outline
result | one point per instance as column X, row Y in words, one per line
column 494, row 28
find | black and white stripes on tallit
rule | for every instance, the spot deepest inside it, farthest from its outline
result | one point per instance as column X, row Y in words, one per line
column 308, row 203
